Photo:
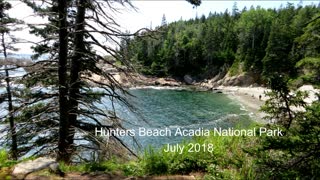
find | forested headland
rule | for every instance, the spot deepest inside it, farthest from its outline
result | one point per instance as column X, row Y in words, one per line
column 255, row 41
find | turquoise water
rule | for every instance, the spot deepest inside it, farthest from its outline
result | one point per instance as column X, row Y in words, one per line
column 159, row 109
column 184, row 109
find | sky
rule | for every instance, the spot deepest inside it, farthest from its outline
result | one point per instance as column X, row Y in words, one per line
column 149, row 13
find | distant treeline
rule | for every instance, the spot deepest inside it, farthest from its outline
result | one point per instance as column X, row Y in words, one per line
column 256, row 40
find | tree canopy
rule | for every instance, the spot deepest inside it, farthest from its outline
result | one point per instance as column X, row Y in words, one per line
column 258, row 40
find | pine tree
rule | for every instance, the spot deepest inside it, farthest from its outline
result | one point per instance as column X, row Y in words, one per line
column 164, row 20
column 7, row 25
column 64, row 153
column 253, row 27
column 294, row 153
column 280, row 42
column 309, row 48
column 78, row 101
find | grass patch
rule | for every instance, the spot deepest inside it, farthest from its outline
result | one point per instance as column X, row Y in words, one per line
column 5, row 165
column 111, row 166
column 5, row 161
column 228, row 158
column 235, row 68
column 218, row 157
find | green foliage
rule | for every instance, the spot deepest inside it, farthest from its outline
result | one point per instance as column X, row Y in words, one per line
column 130, row 168
column 295, row 154
column 227, row 160
column 254, row 29
column 73, row 62
column 71, row 168
column 185, row 47
column 310, row 67
column 104, row 166
column 262, row 41
column 4, row 160
column 280, row 42
column 236, row 68
column 309, row 57
column 279, row 105
column 133, row 168
column 154, row 162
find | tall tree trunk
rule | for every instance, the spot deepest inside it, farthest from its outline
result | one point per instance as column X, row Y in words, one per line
column 64, row 153
column 79, row 49
column 14, row 146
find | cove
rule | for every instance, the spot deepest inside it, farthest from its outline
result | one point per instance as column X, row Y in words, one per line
column 167, row 111
column 170, row 116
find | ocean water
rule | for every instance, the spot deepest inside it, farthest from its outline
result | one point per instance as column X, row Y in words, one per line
column 170, row 110
column 173, row 109
column 166, row 109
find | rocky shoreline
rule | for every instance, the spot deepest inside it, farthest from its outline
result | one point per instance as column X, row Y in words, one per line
column 251, row 97
column 241, row 88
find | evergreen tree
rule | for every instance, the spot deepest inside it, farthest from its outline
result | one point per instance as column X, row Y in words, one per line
column 253, row 27
column 293, row 153
column 64, row 144
column 79, row 107
column 7, row 25
column 164, row 20
column 309, row 48
column 280, row 42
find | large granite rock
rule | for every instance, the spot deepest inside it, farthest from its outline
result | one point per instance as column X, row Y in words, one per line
column 240, row 80
column 188, row 79
column 22, row 169
column 166, row 82
column 245, row 80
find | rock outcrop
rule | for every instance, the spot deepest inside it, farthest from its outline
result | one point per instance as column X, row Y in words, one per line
column 188, row 79
column 243, row 80
column 22, row 169
column 166, row 82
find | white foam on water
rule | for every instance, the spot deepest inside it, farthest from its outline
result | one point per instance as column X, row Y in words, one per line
column 210, row 123
column 158, row 87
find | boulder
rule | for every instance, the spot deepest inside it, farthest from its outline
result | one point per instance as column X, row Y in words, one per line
column 166, row 82
column 220, row 82
column 188, row 79
column 22, row 169
column 241, row 80
column 229, row 81
column 245, row 80
column 160, row 81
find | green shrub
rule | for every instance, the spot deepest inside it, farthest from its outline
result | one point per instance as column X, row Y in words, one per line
column 133, row 168
column 4, row 159
column 236, row 68
column 105, row 166
column 154, row 162
column 229, row 159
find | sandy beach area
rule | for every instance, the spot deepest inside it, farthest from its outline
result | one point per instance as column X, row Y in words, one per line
column 249, row 97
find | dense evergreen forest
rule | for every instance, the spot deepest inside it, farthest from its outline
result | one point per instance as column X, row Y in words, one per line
column 256, row 40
